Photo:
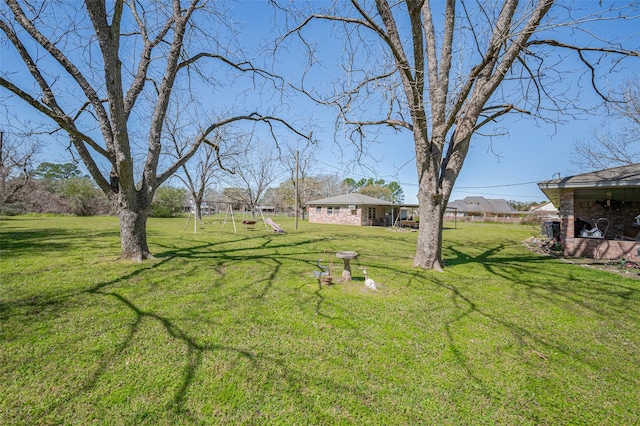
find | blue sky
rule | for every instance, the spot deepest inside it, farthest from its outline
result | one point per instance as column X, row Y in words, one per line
column 529, row 151
column 501, row 167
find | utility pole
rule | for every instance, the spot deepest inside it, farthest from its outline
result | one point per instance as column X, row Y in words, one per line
column 296, row 208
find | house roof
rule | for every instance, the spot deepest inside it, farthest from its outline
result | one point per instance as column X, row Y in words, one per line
column 623, row 176
column 481, row 205
column 545, row 207
column 351, row 198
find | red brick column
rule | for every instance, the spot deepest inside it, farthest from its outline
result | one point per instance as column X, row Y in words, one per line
column 567, row 219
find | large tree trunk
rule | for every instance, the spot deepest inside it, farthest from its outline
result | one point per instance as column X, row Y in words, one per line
column 429, row 247
column 198, row 212
column 133, row 235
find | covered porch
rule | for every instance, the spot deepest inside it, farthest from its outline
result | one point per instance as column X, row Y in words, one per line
column 599, row 212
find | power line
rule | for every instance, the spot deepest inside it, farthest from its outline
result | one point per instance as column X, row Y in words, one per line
column 456, row 188
column 537, row 197
column 496, row 186
column 357, row 174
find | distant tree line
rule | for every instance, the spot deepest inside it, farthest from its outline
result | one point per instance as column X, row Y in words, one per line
column 63, row 189
column 52, row 188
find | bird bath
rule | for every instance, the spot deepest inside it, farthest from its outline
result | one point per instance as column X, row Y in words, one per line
column 346, row 256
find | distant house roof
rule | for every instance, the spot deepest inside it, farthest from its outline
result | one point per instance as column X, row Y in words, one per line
column 351, row 198
column 623, row 176
column 544, row 207
column 481, row 205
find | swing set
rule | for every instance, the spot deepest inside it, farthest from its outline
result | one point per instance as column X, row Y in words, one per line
column 229, row 215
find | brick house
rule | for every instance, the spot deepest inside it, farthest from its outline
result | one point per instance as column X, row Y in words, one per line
column 480, row 208
column 352, row 209
column 598, row 212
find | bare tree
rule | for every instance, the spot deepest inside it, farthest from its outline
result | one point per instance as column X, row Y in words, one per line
column 252, row 174
column 444, row 70
column 312, row 188
column 16, row 163
column 207, row 165
column 605, row 147
column 278, row 197
column 300, row 164
column 108, row 85
column 329, row 185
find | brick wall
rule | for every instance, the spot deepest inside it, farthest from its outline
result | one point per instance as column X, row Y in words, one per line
column 599, row 248
column 566, row 221
column 358, row 217
column 343, row 217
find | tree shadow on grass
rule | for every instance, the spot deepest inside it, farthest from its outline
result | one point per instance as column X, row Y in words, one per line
column 193, row 354
column 203, row 249
column 34, row 306
column 544, row 277
column 518, row 269
column 17, row 242
column 533, row 344
column 524, row 279
column 227, row 256
column 193, row 357
column 270, row 252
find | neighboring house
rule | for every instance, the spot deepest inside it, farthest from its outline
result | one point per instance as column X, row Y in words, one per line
column 352, row 209
column 545, row 210
column 598, row 212
column 481, row 208
column 549, row 218
column 205, row 207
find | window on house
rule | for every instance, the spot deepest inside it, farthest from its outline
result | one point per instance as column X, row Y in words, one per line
column 371, row 213
column 329, row 210
column 319, row 209
column 336, row 210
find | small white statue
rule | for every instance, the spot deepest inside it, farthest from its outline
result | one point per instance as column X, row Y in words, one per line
column 368, row 282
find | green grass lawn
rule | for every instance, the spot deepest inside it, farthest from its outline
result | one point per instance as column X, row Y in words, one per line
column 232, row 328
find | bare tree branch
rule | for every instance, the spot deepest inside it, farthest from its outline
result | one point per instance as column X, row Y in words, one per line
column 61, row 121
column 581, row 55
column 57, row 54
